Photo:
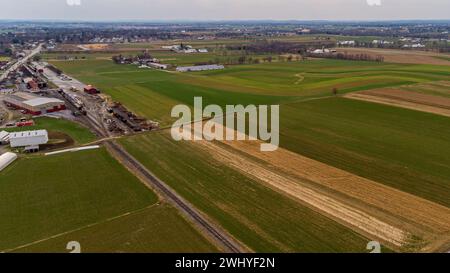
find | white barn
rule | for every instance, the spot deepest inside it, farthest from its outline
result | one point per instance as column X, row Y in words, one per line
column 6, row 159
column 28, row 138
column 199, row 68
column 158, row 65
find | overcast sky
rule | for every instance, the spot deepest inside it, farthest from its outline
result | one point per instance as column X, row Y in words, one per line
column 224, row 9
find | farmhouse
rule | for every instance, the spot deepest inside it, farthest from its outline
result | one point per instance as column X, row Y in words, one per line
column 199, row 68
column 320, row 51
column 34, row 105
column 346, row 43
column 6, row 159
column 28, row 139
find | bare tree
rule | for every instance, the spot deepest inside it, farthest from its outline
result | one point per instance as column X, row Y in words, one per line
column 335, row 91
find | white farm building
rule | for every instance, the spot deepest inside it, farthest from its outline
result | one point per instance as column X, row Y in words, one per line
column 28, row 138
column 199, row 68
column 158, row 65
column 4, row 137
column 6, row 159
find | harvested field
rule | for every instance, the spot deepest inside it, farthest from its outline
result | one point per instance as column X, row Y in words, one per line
column 265, row 220
column 402, row 220
column 402, row 56
column 406, row 99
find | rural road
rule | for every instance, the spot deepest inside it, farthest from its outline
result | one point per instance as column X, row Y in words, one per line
column 21, row 62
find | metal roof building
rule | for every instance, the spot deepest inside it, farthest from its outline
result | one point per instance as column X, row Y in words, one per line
column 158, row 65
column 4, row 137
column 199, row 68
column 28, row 138
column 33, row 104
column 6, row 159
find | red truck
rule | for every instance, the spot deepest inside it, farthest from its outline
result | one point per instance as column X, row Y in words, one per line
column 25, row 123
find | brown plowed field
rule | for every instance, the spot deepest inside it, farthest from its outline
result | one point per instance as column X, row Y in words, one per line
column 401, row 56
column 402, row 220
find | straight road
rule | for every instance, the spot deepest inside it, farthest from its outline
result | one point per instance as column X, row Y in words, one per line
column 20, row 62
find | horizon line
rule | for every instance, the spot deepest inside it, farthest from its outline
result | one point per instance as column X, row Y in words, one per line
column 213, row 20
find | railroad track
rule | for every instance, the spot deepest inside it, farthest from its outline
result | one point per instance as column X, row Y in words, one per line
column 226, row 242
column 220, row 236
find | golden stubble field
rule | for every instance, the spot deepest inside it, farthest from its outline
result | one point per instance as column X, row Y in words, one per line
column 403, row 221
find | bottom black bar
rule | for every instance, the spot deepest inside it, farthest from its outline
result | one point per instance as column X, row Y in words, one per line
column 227, row 262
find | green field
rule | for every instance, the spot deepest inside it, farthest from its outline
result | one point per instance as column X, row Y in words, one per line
column 80, row 134
column 153, row 93
column 157, row 229
column 404, row 149
column 346, row 134
column 74, row 195
column 264, row 220
column 401, row 148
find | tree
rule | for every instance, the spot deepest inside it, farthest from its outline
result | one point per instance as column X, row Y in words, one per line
column 8, row 51
column 242, row 59
column 37, row 58
column 335, row 91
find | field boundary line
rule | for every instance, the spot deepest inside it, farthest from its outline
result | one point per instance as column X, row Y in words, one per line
column 80, row 228
column 399, row 103
column 310, row 99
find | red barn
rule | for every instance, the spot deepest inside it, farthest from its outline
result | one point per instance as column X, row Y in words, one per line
column 91, row 90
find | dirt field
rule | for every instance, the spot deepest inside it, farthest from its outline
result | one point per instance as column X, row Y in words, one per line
column 57, row 140
column 404, row 221
column 406, row 99
column 96, row 46
column 401, row 56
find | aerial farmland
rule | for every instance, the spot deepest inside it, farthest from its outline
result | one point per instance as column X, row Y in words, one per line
column 363, row 156
column 330, row 134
